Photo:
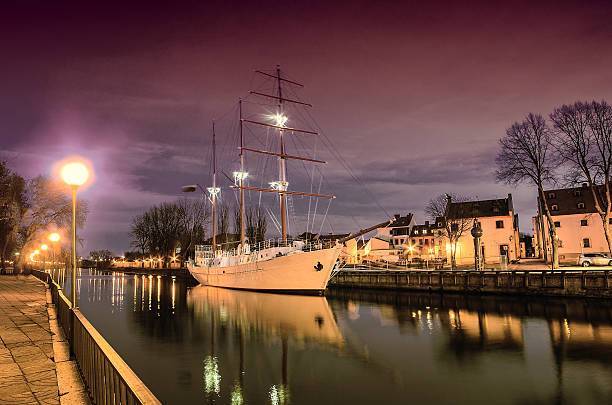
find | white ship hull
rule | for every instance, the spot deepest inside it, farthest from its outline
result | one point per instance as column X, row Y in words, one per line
column 292, row 272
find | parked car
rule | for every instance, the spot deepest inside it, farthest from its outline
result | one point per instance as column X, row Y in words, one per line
column 594, row 259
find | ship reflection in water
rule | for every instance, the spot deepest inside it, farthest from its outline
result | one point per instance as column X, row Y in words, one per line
column 205, row 344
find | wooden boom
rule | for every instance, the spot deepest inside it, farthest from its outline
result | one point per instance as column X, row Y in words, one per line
column 269, row 190
column 265, row 152
column 281, row 127
column 364, row 231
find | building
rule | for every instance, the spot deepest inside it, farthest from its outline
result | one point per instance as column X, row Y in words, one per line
column 426, row 242
column 398, row 233
column 499, row 222
column 578, row 225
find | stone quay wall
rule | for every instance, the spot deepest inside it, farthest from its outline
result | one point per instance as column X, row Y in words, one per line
column 590, row 284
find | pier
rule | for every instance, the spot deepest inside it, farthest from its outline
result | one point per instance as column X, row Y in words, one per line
column 571, row 283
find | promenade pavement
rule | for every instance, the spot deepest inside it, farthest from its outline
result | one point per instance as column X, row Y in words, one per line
column 33, row 350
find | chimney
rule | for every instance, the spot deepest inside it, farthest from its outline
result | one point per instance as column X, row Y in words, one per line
column 397, row 216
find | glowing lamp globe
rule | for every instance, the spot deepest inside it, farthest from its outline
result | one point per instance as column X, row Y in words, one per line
column 54, row 237
column 75, row 174
column 44, row 247
column 36, row 252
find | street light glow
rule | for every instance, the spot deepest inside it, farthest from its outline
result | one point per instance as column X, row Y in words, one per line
column 54, row 237
column 44, row 247
column 75, row 174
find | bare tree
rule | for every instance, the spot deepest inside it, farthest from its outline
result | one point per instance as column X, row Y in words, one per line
column 46, row 204
column 452, row 211
column 583, row 133
column 223, row 220
column 12, row 205
column 194, row 216
column 261, row 225
column 526, row 155
column 141, row 233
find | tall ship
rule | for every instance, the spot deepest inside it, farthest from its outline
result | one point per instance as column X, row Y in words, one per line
column 284, row 264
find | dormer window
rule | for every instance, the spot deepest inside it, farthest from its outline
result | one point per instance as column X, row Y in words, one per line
column 416, row 231
column 577, row 193
column 580, row 205
column 552, row 195
column 496, row 209
column 554, row 207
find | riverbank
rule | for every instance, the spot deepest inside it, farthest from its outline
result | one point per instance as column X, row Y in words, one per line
column 571, row 283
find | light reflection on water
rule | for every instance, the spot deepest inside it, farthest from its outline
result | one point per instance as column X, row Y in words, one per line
column 202, row 344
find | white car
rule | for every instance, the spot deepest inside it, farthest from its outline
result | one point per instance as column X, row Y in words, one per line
column 594, row 259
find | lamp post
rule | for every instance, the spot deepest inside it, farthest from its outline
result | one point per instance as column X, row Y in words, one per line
column 74, row 174
column 477, row 234
column 44, row 248
column 54, row 237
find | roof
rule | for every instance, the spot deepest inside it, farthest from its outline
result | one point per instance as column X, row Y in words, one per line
column 480, row 208
column 401, row 221
column 568, row 200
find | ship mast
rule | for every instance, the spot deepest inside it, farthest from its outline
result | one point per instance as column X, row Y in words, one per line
column 214, row 190
column 279, row 186
column 282, row 169
column 241, row 179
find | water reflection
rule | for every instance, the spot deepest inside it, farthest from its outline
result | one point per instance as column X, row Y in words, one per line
column 204, row 344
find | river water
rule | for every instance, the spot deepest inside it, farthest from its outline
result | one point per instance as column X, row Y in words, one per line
column 195, row 344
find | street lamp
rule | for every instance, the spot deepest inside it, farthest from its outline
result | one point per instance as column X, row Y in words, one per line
column 53, row 237
column 44, row 248
column 74, row 174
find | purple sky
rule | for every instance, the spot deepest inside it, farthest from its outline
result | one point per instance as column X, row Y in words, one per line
column 414, row 96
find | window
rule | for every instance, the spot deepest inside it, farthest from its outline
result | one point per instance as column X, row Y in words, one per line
column 499, row 224
column 496, row 209
column 440, row 232
column 559, row 243
column 610, row 221
column 580, row 205
column 426, row 242
column 577, row 193
column 584, row 222
column 416, row 231
column 557, row 224
column 420, row 241
column 554, row 207
column 454, row 227
column 586, row 242
column 552, row 195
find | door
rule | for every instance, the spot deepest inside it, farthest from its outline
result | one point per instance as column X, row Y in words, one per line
column 503, row 252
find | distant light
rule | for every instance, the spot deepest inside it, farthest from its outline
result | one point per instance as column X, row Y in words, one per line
column 54, row 237
column 17, row 254
column 44, row 247
column 75, row 174
column 36, row 252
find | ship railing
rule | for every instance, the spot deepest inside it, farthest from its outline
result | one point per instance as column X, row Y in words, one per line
column 205, row 251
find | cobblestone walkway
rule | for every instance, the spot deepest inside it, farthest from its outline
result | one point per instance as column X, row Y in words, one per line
column 27, row 368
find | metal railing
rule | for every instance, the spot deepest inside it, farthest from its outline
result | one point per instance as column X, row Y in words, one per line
column 109, row 380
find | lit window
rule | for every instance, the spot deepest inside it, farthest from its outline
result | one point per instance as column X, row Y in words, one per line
column 552, row 195
column 554, row 207
column 577, row 193
column 499, row 224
